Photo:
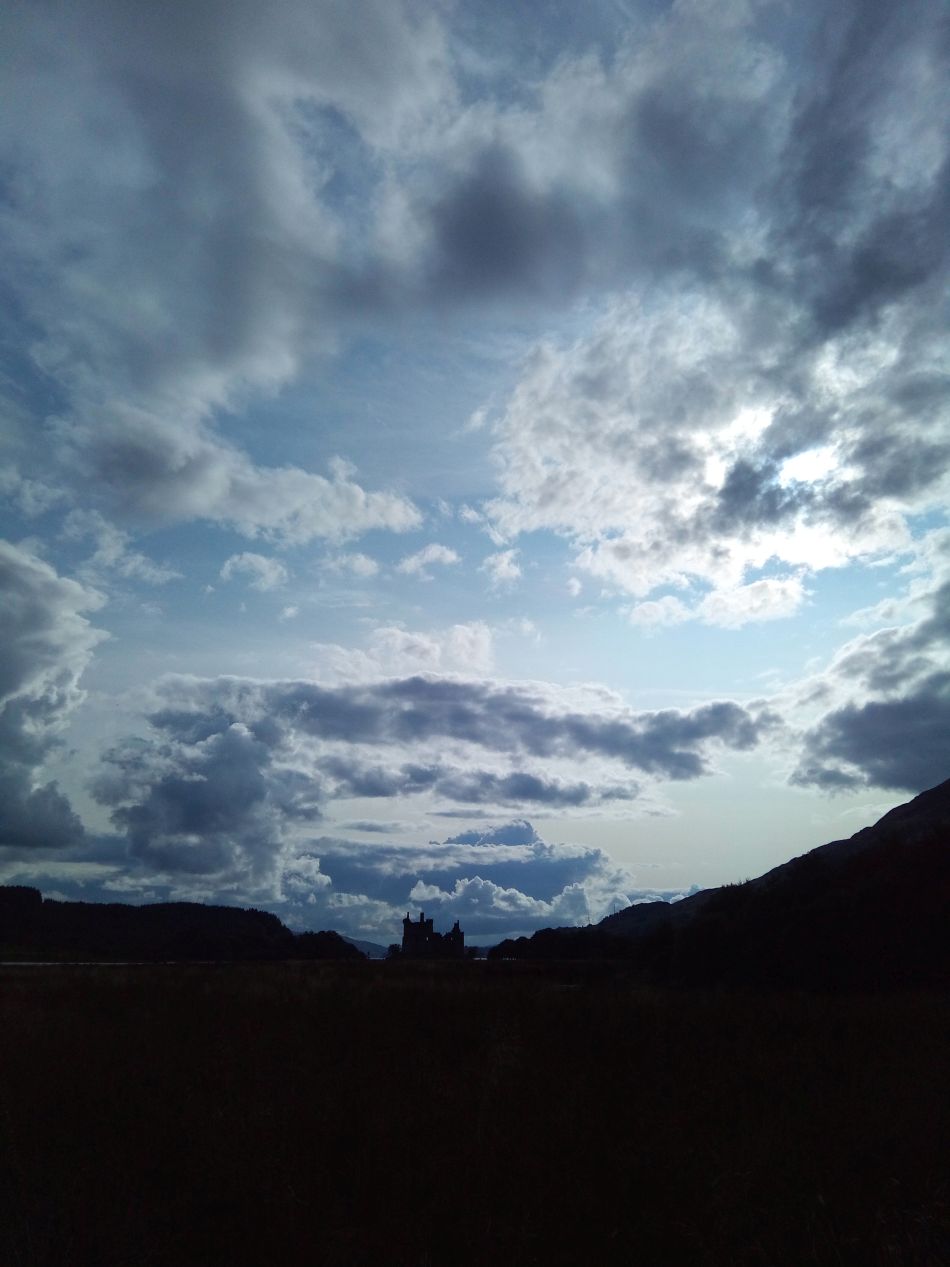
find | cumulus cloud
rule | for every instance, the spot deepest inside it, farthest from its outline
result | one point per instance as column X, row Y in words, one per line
column 657, row 444
column 509, row 882
column 484, row 906
column 218, row 806
column 417, row 564
column 391, row 650
column 48, row 642
column 778, row 390
column 503, row 568
column 263, row 573
column 771, row 598
column 656, row 612
column 234, row 767
column 354, row 562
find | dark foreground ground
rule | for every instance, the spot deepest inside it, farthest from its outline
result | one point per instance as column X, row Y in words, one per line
column 477, row 1113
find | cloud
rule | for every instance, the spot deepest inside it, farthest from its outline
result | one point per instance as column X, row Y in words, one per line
column 112, row 553
column 656, row 446
column 657, row 612
column 484, row 907
column 503, row 568
column 217, row 807
column 150, row 468
column 888, row 743
column 776, row 392
column 233, row 767
column 172, row 249
column 391, row 650
column 358, row 564
column 495, row 887
column 886, row 702
column 351, row 776
column 779, row 204
column 417, row 564
column 771, row 598
column 264, row 573
column 48, row 642
column 518, row 832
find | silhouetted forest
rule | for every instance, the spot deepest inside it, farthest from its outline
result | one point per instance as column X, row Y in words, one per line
column 32, row 927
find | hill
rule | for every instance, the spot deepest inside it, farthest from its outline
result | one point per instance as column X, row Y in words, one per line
column 38, row 928
column 870, row 911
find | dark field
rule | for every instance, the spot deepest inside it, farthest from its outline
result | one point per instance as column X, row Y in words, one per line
column 450, row 1114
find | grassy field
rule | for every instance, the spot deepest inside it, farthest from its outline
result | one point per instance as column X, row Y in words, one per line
column 393, row 1114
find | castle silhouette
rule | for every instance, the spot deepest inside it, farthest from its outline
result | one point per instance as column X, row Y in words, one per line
column 419, row 941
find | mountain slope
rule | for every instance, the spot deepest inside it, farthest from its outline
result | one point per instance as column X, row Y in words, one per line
column 870, row 911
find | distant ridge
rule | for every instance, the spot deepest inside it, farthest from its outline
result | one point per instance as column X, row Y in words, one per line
column 870, row 911
column 371, row 949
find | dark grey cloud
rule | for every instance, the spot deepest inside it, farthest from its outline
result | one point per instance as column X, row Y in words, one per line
column 518, row 832
column 351, row 777
column 888, row 723
column 891, row 743
column 516, row 789
column 501, row 718
column 218, row 806
column 235, row 769
column 492, row 235
column 856, row 238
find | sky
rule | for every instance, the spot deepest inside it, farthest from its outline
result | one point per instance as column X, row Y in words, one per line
column 483, row 458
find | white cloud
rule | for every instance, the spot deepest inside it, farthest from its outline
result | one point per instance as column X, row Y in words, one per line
column 655, row 445
column 656, row 612
column 358, row 564
column 167, row 471
column 418, row 563
column 113, row 553
column 391, row 650
column 503, row 568
column 264, row 573
column 772, row 598
column 48, row 642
